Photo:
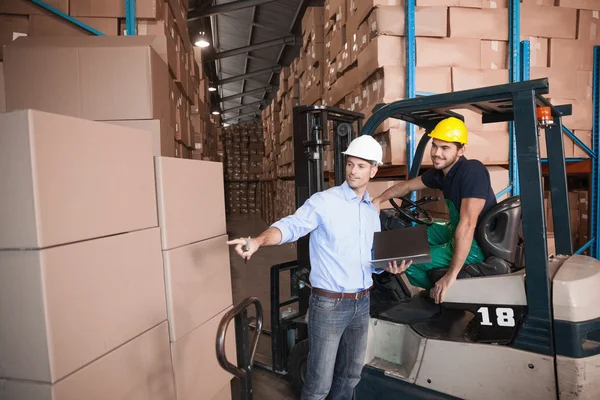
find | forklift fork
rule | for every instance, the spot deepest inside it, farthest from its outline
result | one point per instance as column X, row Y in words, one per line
column 245, row 350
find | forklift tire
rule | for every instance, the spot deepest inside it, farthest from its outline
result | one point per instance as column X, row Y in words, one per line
column 297, row 365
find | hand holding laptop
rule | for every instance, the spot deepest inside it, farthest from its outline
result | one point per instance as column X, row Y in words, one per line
column 393, row 267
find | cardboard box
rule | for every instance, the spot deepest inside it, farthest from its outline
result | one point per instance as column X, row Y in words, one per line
column 451, row 3
column 95, row 78
column 472, row 23
column 66, row 306
column 195, row 362
column 572, row 54
column 587, row 27
column 538, row 55
column 377, row 187
column 581, row 117
column 144, row 9
column 10, row 27
column 2, row 89
column 563, row 83
column 585, row 85
column 224, row 393
column 313, row 16
column 499, row 178
column 581, row 4
column 27, row 7
column 383, row 51
column 186, row 214
column 387, row 84
column 538, row 2
column 494, row 54
column 163, row 136
column 198, row 282
column 52, row 25
column 464, row 79
column 338, row 39
column 153, row 28
column 56, row 193
column 586, row 138
column 390, row 20
column 489, row 147
column 140, row 369
column 358, row 10
column 549, row 22
column 448, row 52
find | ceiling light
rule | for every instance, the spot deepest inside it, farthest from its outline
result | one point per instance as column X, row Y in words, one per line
column 225, row 125
column 212, row 88
column 202, row 41
column 216, row 112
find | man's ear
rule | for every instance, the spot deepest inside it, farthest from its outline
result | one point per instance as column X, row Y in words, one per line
column 374, row 171
column 462, row 150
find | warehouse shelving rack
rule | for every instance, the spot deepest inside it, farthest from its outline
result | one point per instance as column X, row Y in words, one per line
column 519, row 69
column 130, row 18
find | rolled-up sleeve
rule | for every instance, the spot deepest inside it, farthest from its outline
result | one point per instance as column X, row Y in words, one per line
column 302, row 222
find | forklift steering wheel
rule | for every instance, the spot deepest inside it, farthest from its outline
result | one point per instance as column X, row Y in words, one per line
column 412, row 215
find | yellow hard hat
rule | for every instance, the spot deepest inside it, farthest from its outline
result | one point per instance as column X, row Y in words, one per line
column 451, row 130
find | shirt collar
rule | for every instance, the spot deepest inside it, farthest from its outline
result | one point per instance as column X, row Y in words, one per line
column 349, row 194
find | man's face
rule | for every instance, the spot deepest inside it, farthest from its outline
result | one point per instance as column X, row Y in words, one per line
column 358, row 172
column 444, row 154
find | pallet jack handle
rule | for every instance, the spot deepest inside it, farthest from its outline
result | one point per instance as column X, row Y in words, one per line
column 245, row 350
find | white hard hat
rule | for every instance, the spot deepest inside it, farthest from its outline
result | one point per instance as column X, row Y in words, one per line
column 365, row 147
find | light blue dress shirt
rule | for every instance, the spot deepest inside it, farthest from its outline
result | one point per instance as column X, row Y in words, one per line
column 341, row 242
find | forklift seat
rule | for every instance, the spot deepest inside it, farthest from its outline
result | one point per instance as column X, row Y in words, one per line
column 498, row 237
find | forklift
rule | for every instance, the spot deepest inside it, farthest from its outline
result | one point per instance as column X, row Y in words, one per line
column 521, row 325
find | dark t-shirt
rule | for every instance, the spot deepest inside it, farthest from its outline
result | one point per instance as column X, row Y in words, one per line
column 466, row 179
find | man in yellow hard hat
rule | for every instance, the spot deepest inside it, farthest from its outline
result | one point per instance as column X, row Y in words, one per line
column 468, row 193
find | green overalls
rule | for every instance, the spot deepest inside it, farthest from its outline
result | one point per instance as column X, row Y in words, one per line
column 441, row 240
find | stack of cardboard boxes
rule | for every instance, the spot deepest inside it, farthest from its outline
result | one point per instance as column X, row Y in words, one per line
column 178, row 110
column 244, row 151
column 82, row 283
column 196, row 270
column 460, row 45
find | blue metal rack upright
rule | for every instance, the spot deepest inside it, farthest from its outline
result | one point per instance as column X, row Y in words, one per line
column 595, row 195
column 514, row 12
column 411, row 51
column 130, row 18
column 519, row 69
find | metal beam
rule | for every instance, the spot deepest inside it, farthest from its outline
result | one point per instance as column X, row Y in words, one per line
column 240, row 116
column 247, row 60
column 273, row 69
column 248, row 93
column 240, row 107
column 301, row 5
column 290, row 39
column 226, row 8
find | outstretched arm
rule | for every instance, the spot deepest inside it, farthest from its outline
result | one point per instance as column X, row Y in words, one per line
column 399, row 190
column 288, row 229
column 270, row 237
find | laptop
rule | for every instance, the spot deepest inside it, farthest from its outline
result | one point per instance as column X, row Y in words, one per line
column 401, row 244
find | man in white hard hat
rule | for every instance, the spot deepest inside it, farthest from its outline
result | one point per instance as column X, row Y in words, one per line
column 342, row 221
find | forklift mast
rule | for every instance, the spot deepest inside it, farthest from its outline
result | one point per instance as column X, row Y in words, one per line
column 315, row 128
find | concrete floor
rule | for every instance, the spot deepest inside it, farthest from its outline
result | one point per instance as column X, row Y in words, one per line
column 253, row 279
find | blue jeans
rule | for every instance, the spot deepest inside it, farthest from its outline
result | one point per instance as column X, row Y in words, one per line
column 337, row 336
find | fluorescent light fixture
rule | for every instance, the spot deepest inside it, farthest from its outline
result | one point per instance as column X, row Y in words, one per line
column 216, row 112
column 225, row 125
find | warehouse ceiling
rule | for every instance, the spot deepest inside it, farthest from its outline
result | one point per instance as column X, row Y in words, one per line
column 251, row 40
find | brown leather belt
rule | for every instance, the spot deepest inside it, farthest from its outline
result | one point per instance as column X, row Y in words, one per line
column 336, row 295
